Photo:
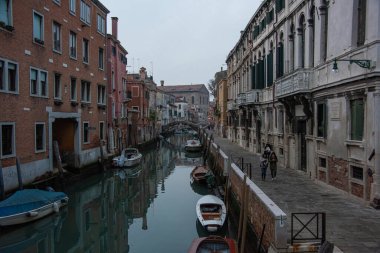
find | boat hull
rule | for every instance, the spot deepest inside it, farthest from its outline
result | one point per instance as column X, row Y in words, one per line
column 204, row 244
column 33, row 214
column 212, row 221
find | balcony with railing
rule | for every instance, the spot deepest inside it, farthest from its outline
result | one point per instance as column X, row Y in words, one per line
column 231, row 105
column 241, row 99
column 268, row 95
column 297, row 82
column 126, row 96
column 254, row 96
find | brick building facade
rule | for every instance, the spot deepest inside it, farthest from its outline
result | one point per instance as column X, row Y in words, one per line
column 52, row 85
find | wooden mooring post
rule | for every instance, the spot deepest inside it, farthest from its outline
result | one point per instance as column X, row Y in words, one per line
column 58, row 158
column 243, row 192
column 19, row 177
column 245, row 216
column 102, row 156
column 2, row 188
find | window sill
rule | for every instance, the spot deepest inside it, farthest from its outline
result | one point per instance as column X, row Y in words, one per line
column 357, row 181
column 40, row 151
column 7, row 156
column 85, row 104
column 8, row 28
column 57, row 51
column 321, row 139
column 58, row 101
column 102, row 106
column 38, row 42
column 354, row 143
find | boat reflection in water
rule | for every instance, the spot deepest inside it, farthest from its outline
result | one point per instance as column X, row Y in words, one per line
column 34, row 237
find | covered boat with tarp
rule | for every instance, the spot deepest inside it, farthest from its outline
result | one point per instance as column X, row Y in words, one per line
column 30, row 204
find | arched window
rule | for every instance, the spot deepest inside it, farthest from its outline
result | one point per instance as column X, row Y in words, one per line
column 311, row 36
column 301, row 41
column 280, row 57
column 362, row 9
column 270, row 65
column 291, row 48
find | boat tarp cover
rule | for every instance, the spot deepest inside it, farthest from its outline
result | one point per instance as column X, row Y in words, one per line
column 27, row 200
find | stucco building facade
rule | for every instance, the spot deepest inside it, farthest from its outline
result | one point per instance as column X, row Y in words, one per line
column 282, row 90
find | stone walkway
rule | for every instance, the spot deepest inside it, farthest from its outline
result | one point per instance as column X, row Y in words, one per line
column 352, row 225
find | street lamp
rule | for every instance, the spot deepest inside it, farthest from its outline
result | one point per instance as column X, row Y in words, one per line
column 361, row 63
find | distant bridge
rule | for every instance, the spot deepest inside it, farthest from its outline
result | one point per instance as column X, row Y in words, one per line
column 171, row 126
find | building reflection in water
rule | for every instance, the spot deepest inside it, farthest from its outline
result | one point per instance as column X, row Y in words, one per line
column 100, row 209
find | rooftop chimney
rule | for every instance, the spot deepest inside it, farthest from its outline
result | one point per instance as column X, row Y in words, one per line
column 114, row 26
column 162, row 82
column 143, row 74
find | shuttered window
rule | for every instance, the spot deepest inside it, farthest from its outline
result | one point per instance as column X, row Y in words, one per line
column 321, row 120
column 357, row 119
column 270, row 68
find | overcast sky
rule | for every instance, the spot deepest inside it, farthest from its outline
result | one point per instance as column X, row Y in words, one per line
column 180, row 41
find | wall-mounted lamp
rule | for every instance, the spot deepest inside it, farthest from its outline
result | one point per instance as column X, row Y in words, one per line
column 361, row 63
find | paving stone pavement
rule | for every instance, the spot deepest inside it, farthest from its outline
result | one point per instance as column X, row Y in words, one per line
column 352, row 225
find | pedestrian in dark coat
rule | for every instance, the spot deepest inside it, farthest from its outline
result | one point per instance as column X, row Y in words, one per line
column 263, row 167
column 273, row 164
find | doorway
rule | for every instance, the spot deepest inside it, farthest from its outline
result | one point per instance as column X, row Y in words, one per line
column 63, row 131
column 301, row 132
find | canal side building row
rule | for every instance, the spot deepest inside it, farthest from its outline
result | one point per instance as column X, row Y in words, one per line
column 64, row 79
column 304, row 78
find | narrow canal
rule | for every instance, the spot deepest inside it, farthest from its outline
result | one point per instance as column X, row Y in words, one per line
column 150, row 208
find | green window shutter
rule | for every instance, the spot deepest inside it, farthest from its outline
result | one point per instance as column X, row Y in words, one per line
column 357, row 119
column 257, row 76
column 253, row 77
column 270, row 68
column 278, row 6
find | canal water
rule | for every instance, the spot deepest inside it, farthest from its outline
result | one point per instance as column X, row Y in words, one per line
column 150, row 208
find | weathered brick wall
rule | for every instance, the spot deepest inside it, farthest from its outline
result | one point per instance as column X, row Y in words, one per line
column 322, row 176
column 357, row 189
column 258, row 211
column 338, row 173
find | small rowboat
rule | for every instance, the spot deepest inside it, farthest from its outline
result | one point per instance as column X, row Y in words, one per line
column 213, row 244
column 29, row 205
column 211, row 212
column 199, row 174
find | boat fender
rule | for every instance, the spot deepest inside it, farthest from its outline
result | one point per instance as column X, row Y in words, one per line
column 32, row 214
column 56, row 207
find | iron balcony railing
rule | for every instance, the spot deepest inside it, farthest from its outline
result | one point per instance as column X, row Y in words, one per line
column 254, row 96
column 296, row 82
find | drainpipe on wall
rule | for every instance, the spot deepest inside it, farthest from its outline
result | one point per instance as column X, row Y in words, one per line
column 376, row 176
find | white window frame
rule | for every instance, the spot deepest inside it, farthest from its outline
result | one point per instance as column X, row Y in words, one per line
column 73, row 44
column 42, row 38
column 39, row 84
column 75, row 90
column 101, row 61
column 101, row 94
column 43, row 138
column 86, row 51
column 88, row 132
column 9, row 15
column 85, row 12
column 57, row 2
column 6, row 78
column 101, row 24
column 59, row 97
column 85, row 96
column 101, row 130
column 72, row 6
column 57, row 41
column 13, row 139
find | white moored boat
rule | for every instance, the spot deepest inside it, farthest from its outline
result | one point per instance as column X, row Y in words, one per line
column 211, row 212
column 193, row 145
column 129, row 157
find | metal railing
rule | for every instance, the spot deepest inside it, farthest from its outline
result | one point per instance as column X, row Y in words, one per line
column 308, row 227
column 244, row 167
column 298, row 81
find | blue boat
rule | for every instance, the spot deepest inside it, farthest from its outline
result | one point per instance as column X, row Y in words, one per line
column 29, row 205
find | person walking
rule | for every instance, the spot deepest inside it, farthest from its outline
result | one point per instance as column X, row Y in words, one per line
column 273, row 164
column 264, row 167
